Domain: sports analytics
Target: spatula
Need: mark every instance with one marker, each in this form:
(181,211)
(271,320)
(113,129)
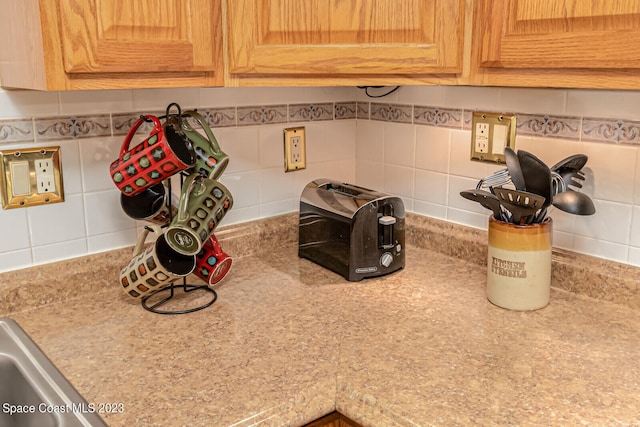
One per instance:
(515,171)
(486,199)
(521,204)
(537,176)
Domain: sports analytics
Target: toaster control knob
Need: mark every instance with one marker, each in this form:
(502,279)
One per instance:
(386,259)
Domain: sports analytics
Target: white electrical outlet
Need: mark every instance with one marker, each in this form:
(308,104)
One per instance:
(482,138)
(296,149)
(295,157)
(45,180)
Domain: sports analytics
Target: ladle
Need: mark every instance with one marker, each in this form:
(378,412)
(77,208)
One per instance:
(574,202)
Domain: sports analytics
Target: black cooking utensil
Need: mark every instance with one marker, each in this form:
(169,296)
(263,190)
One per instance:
(574,162)
(521,204)
(537,176)
(486,199)
(574,202)
(515,171)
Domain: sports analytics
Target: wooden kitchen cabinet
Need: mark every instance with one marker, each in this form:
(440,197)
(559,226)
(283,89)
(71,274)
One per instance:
(563,43)
(345,41)
(334,419)
(101,44)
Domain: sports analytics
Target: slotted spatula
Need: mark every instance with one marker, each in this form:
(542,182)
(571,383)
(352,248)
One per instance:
(521,204)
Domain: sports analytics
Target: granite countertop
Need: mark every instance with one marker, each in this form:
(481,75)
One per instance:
(288,341)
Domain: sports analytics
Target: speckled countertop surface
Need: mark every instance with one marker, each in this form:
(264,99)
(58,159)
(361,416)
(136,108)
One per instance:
(288,341)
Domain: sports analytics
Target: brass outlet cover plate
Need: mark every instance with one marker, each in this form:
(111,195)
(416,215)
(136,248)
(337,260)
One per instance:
(496,131)
(28,157)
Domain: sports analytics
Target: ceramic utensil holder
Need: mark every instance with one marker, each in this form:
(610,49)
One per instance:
(519,264)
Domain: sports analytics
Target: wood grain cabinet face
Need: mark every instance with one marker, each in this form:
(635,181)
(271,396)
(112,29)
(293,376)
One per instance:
(350,37)
(561,34)
(593,43)
(101,44)
(105,36)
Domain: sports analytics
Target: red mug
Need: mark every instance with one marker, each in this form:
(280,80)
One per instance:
(212,263)
(164,153)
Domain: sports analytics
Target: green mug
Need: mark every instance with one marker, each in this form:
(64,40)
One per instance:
(211,161)
(203,203)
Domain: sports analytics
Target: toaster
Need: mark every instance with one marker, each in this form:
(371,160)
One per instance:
(353,231)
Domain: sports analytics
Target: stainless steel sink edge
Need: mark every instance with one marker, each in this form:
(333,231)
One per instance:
(47,381)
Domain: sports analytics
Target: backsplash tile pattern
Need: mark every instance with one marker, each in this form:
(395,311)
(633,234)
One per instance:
(261,115)
(54,128)
(362,110)
(430,181)
(122,122)
(345,110)
(416,145)
(311,112)
(549,126)
(435,116)
(391,112)
(219,117)
(16,130)
(91,220)
(607,130)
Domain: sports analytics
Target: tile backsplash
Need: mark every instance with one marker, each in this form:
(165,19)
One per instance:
(413,143)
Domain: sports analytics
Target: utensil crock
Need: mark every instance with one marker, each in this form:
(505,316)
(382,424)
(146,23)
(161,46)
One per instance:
(519,264)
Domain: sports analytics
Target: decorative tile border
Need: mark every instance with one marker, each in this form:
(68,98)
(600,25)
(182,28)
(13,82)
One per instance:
(219,117)
(608,130)
(72,127)
(121,123)
(311,112)
(261,115)
(20,130)
(549,126)
(605,130)
(396,113)
(345,110)
(435,116)
(362,110)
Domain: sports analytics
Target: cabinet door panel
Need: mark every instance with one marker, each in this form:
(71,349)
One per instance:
(345,36)
(105,36)
(560,34)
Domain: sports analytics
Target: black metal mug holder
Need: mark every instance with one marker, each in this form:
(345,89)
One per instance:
(186,287)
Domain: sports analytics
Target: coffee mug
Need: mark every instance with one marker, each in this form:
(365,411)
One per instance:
(211,161)
(154,268)
(164,153)
(203,203)
(151,205)
(212,262)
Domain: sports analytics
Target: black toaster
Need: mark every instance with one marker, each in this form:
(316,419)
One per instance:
(351,230)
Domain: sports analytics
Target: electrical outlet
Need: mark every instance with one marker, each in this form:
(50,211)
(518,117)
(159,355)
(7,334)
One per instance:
(30,176)
(490,134)
(45,181)
(482,138)
(295,156)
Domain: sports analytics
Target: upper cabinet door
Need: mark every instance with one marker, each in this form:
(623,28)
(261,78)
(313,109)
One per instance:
(105,36)
(569,34)
(352,37)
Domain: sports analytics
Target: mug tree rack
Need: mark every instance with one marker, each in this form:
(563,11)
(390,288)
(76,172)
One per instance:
(170,292)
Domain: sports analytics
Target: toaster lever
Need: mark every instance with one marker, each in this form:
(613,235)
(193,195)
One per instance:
(387,220)
(385,234)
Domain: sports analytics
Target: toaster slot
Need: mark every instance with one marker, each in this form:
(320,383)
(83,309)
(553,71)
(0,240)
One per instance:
(386,225)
